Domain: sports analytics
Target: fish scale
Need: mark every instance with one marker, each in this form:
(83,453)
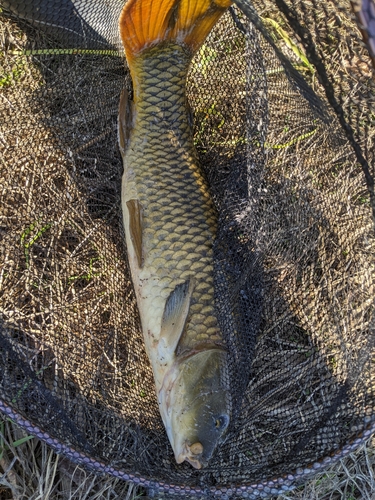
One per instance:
(178,217)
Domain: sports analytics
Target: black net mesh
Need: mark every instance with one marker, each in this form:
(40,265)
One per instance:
(283,106)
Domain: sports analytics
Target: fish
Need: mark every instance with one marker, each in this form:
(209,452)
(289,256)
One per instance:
(170,224)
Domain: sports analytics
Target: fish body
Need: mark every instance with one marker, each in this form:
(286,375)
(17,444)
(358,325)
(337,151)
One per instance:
(170,226)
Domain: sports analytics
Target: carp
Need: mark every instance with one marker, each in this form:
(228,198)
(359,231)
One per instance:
(170,223)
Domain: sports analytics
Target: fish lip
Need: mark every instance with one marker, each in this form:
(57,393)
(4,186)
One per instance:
(195,460)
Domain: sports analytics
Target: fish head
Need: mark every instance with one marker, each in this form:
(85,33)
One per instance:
(198,407)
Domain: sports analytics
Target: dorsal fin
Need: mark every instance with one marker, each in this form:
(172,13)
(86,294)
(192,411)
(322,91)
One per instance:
(145,23)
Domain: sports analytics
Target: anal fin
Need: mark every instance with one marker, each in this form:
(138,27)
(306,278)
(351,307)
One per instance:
(135,227)
(174,317)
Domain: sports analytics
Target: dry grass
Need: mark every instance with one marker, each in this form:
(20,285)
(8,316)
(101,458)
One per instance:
(32,471)
(352,478)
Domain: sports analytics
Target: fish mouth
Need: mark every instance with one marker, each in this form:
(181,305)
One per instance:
(192,454)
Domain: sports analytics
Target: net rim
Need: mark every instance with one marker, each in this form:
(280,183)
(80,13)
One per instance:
(262,489)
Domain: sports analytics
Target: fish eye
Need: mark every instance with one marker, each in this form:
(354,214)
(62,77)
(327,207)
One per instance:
(221,422)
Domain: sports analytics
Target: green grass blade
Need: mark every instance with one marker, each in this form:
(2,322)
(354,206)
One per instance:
(30,243)
(21,441)
(289,42)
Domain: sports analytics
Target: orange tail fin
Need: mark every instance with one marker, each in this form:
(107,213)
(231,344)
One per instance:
(145,23)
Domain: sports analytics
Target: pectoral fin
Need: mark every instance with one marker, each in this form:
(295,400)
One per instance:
(125,120)
(174,317)
(135,228)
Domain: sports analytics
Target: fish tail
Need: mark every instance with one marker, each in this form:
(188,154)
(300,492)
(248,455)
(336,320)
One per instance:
(146,23)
